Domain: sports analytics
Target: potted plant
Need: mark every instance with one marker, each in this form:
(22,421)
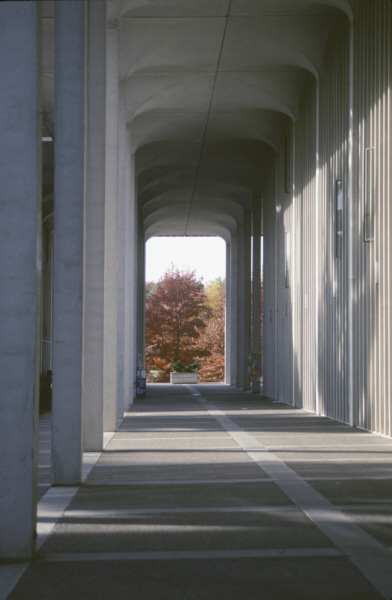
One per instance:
(184,374)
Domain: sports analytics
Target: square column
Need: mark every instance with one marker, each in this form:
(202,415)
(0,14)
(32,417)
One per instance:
(247,298)
(240,306)
(141,297)
(20,251)
(233,309)
(123,166)
(130,317)
(228,316)
(111,229)
(68,243)
(94,246)
(256,285)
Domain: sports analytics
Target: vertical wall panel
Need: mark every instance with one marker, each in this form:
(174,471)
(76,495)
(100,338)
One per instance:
(306,197)
(320,286)
(333,314)
(270,371)
(373,125)
(284,270)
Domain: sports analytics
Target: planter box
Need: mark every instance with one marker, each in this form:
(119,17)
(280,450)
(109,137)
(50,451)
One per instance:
(184,378)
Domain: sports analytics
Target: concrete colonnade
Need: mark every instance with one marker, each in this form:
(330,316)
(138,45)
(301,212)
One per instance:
(120,122)
(99,250)
(97,245)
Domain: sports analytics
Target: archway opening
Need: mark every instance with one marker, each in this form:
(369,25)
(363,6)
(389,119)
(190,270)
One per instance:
(185,308)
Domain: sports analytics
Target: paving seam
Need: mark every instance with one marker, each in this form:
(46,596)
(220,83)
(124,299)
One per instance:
(371,558)
(174,482)
(75,514)
(119,438)
(261,479)
(337,460)
(347,478)
(193,554)
(369,506)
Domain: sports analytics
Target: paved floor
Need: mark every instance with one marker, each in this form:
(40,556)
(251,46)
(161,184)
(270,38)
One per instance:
(206,492)
(45,434)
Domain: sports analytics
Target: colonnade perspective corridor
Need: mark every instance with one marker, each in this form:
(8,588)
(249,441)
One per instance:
(126,119)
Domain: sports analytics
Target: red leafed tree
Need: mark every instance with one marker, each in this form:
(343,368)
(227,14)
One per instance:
(213,337)
(176,314)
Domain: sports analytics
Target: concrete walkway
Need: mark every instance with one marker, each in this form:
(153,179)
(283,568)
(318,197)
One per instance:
(207,492)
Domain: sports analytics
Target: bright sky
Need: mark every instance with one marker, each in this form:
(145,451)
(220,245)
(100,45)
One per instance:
(205,255)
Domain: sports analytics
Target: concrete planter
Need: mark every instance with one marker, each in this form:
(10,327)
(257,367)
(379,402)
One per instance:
(184,378)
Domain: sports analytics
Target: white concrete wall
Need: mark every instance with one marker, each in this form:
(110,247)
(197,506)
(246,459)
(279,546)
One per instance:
(372,360)
(334,279)
(338,305)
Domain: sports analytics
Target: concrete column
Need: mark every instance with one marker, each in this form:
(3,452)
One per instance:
(228,317)
(256,282)
(269,289)
(233,311)
(243,301)
(130,318)
(111,229)
(68,243)
(246,316)
(240,306)
(94,250)
(141,292)
(122,200)
(20,226)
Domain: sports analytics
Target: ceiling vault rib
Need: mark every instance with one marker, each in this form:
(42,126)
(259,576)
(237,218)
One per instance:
(202,145)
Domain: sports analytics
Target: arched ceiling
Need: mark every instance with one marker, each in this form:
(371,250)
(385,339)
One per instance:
(210,86)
